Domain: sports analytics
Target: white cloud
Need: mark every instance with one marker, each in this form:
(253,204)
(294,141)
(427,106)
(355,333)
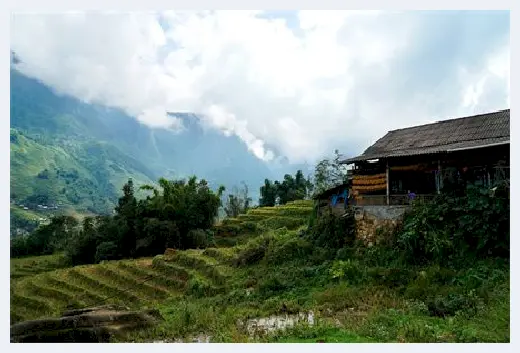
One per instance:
(340,80)
(492,80)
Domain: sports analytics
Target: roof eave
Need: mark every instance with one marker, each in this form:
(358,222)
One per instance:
(479,146)
(359,159)
(367,158)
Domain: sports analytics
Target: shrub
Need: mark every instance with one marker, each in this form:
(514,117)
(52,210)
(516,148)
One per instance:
(345,253)
(272,286)
(46,239)
(348,270)
(276,222)
(455,228)
(227,230)
(286,249)
(83,245)
(253,252)
(200,289)
(321,256)
(200,238)
(19,246)
(333,232)
(249,227)
(392,277)
(379,255)
(106,251)
(453,303)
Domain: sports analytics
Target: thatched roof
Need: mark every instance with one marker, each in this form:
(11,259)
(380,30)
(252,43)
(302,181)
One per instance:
(444,136)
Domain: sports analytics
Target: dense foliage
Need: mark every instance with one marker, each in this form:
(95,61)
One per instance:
(457,227)
(178,215)
(372,293)
(289,189)
(21,221)
(329,173)
(46,239)
(330,231)
(76,155)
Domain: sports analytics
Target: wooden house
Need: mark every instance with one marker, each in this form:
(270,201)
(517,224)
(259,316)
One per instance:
(416,163)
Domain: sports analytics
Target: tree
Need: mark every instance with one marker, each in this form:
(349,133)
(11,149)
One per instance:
(126,211)
(188,204)
(329,173)
(268,194)
(290,189)
(82,248)
(178,214)
(46,239)
(237,202)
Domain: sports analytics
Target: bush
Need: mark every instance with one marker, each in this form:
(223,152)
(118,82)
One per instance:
(200,289)
(82,248)
(379,255)
(227,230)
(333,232)
(392,277)
(348,270)
(253,252)
(106,251)
(249,227)
(345,253)
(201,239)
(321,256)
(457,228)
(19,247)
(453,303)
(288,222)
(46,239)
(285,249)
(272,286)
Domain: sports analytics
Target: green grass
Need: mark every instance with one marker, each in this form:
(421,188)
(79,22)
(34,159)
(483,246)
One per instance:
(204,291)
(282,211)
(29,266)
(134,283)
(316,334)
(367,311)
(19,212)
(85,176)
(237,231)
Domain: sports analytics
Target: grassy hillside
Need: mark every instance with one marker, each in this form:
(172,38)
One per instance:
(191,271)
(233,231)
(270,278)
(95,149)
(30,266)
(85,177)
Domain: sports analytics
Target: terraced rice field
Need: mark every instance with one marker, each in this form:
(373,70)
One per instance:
(133,283)
(235,231)
(30,266)
(42,287)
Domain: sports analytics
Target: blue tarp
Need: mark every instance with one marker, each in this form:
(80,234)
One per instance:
(336,197)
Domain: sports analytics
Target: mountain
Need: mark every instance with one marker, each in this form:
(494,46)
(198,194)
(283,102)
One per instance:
(77,156)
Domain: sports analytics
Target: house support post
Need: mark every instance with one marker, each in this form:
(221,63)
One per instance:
(439,176)
(387,184)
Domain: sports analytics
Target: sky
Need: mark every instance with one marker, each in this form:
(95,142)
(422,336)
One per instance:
(290,84)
